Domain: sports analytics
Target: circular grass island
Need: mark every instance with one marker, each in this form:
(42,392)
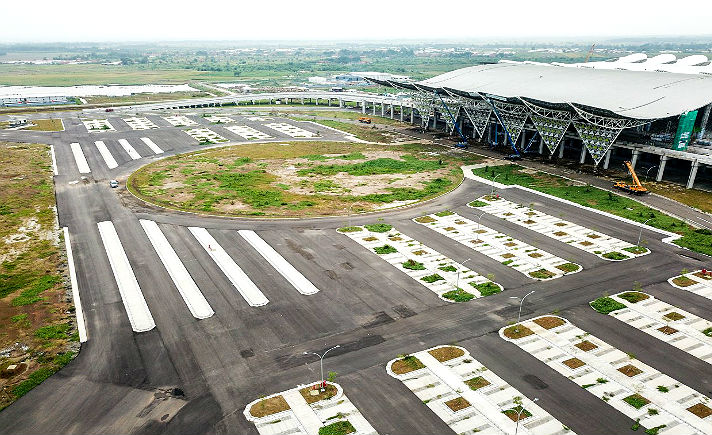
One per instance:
(299,179)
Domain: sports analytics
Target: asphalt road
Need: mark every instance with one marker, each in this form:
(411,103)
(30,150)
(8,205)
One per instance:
(124,382)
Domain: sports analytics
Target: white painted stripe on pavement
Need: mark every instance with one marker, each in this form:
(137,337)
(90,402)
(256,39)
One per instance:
(303,285)
(54,160)
(237,277)
(134,302)
(129,149)
(194,299)
(81,324)
(155,148)
(104,151)
(80,159)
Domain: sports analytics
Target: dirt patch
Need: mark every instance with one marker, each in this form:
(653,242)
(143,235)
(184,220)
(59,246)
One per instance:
(508,255)
(674,316)
(517,331)
(586,346)
(477,382)
(593,236)
(574,363)
(706,276)
(457,404)
(560,233)
(549,322)
(701,410)
(510,244)
(406,365)
(684,281)
(447,353)
(269,406)
(535,255)
(329,392)
(630,370)
(585,243)
(667,330)
(529,222)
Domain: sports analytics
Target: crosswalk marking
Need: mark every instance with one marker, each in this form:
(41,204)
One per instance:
(80,158)
(104,151)
(303,285)
(155,148)
(190,292)
(131,295)
(237,277)
(129,149)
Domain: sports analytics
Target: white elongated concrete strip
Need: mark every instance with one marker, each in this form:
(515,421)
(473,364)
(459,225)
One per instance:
(615,377)
(193,297)
(106,155)
(303,285)
(79,157)
(129,149)
(81,324)
(307,417)
(54,160)
(134,302)
(695,282)
(155,148)
(290,130)
(237,277)
(247,132)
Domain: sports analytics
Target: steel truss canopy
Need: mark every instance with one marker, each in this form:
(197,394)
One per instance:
(636,95)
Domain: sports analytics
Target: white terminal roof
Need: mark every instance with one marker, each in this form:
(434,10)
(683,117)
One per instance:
(633,94)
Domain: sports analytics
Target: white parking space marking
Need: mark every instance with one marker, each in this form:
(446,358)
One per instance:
(575,235)
(104,151)
(303,285)
(140,123)
(430,268)
(248,133)
(290,130)
(155,148)
(219,119)
(180,121)
(97,125)
(81,324)
(488,396)
(532,262)
(194,299)
(625,383)
(80,158)
(131,294)
(54,160)
(205,136)
(303,418)
(131,151)
(234,273)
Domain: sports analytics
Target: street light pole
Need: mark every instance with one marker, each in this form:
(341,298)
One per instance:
(457,283)
(648,171)
(640,234)
(495,177)
(521,302)
(479,220)
(519,415)
(321,364)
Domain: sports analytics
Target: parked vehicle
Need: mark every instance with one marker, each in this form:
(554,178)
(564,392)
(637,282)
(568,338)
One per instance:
(114,184)
(364,120)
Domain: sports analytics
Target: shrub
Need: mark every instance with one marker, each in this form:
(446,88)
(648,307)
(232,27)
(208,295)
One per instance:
(458,295)
(339,428)
(606,305)
(444,213)
(633,297)
(379,228)
(568,267)
(486,288)
(385,249)
(349,229)
(432,278)
(477,203)
(614,255)
(413,265)
(448,268)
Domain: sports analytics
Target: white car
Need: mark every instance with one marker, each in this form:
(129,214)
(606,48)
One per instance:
(113,183)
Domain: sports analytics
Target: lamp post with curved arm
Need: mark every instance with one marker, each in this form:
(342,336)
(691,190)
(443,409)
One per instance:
(640,234)
(457,282)
(521,302)
(495,177)
(321,363)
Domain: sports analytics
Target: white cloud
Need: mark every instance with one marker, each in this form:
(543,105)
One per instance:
(132,20)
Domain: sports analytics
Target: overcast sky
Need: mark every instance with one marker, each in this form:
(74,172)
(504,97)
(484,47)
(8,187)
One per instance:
(148,20)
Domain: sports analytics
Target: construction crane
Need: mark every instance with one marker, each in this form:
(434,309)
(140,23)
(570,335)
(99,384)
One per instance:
(636,188)
(590,52)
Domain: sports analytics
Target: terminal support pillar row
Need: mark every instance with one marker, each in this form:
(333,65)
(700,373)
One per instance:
(341,102)
(412,115)
(392,109)
(634,159)
(383,109)
(374,107)
(607,158)
(582,158)
(541,145)
(561,149)
(661,167)
(363,107)
(693,174)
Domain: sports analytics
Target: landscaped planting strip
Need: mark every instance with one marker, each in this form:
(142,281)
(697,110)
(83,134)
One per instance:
(301,417)
(205,135)
(439,383)
(95,125)
(613,376)
(180,121)
(290,130)
(510,252)
(219,119)
(694,282)
(564,231)
(434,264)
(140,123)
(654,317)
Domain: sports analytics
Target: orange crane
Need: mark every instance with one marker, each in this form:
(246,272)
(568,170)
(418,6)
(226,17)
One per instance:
(636,188)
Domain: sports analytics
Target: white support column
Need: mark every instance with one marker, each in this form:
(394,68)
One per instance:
(392,109)
(412,115)
(634,158)
(401,113)
(661,167)
(607,159)
(341,102)
(582,158)
(561,149)
(302,101)
(374,108)
(541,145)
(383,109)
(693,174)
(363,107)
(328,101)
(316,101)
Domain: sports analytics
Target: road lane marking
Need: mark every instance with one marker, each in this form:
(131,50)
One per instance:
(303,285)
(129,149)
(194,299)
(131,295)
(155,148)
(80,159)
(237,277)
(104,151)
(81,323)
